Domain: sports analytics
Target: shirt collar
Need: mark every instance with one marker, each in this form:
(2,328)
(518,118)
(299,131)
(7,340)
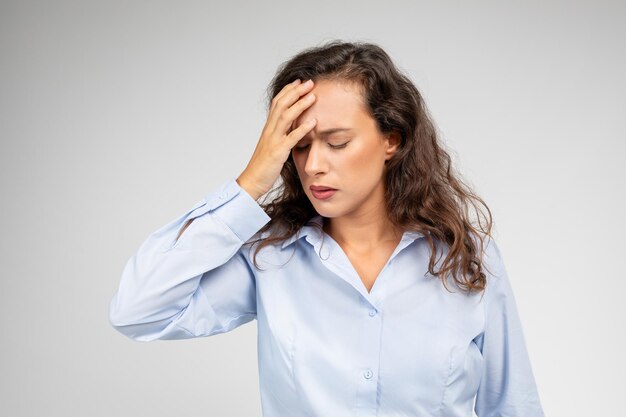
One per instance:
(309,228)
(313,234)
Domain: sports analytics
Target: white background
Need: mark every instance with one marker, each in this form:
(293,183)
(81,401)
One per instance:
(117,116)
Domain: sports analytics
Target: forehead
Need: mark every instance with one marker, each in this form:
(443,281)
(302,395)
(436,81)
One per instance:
(336,104)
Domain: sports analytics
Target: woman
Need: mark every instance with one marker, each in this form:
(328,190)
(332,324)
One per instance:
(354,319)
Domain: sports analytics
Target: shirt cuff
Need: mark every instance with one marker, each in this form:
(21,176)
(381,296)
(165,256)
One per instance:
(232,205)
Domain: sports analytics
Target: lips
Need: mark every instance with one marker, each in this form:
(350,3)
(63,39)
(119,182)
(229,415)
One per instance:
(320,188)
(323,195)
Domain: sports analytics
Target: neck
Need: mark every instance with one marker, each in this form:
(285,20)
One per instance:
(365,230)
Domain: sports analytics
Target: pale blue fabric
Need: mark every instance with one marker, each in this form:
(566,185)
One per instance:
(326,346)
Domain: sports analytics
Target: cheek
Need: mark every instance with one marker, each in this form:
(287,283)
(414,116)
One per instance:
(359,163)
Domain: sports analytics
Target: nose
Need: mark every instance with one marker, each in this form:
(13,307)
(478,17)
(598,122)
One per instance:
(316,161)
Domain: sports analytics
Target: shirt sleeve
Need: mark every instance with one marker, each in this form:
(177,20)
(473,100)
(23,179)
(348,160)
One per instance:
(198,285)
(507,387)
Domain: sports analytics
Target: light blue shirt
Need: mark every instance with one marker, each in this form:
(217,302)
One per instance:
(326,346)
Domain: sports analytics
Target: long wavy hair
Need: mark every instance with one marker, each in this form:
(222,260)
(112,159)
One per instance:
(423,193)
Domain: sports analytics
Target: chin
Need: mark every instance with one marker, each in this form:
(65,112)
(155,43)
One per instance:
(328,208)
(323,211)
(328,212)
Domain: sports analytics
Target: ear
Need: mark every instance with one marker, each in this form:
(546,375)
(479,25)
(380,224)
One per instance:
(393,142)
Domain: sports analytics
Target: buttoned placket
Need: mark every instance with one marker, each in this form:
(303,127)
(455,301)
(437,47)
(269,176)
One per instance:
(334,258)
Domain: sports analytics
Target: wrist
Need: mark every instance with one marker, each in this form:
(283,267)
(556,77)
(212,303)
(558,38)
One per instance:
(243,183)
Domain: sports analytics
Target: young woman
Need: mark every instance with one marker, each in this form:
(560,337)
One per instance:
(393,304)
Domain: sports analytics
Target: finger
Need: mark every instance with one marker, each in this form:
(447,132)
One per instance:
(271,119)
(290,127)
(282,92)
(286,100)
(300,131)
(288,117)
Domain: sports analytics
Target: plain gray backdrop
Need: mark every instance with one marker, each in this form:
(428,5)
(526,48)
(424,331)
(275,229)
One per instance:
(117,116)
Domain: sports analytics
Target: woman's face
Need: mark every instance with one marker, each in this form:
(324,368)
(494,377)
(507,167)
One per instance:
(351,160)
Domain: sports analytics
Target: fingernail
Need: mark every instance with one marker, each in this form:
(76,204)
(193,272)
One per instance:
(296,81)
(308,83)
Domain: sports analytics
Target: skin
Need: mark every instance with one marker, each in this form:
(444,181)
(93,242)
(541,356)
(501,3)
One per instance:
(356,213)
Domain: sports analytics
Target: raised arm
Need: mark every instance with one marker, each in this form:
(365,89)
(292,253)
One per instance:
(190,278)
(199,284)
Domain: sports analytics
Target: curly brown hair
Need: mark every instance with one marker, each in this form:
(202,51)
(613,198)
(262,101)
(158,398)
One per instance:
(423,193)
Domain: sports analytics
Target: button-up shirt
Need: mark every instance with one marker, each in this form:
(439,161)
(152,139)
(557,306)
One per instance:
(328,347)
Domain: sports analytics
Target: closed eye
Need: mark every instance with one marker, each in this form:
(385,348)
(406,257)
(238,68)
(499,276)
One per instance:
(343,145)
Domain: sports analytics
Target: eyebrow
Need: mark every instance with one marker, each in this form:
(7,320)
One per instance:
(328,132)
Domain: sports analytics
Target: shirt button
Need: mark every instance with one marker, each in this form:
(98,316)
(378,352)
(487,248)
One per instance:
(372,312)
(367,374)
